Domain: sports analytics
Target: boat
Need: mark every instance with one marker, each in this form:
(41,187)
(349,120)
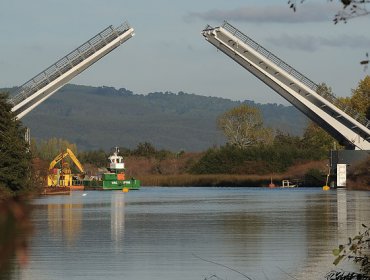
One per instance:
(114,179)
(63,181)
(56,191)
(288,184)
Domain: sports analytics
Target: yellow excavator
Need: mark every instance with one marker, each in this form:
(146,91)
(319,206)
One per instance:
(63,177)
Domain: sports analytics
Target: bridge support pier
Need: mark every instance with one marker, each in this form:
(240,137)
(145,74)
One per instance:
(349,158)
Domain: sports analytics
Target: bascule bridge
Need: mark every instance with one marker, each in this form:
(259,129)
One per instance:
(43,85)
(351,129)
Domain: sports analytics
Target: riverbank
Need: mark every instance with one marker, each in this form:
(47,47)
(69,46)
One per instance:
(296,173)
(219,180)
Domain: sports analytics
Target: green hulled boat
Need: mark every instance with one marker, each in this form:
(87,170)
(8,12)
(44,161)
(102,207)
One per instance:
(115,179)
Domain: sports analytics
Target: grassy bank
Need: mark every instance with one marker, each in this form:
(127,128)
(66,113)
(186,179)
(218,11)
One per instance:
(209,180)
(247,180)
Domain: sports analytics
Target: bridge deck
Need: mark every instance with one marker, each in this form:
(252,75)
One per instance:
(40,87)
(341,121)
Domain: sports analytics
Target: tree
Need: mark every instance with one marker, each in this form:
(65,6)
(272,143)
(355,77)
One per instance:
(49,149)
(318,139)
(360,99)
(243,126)
(97,158)
(15,158)
(145,149)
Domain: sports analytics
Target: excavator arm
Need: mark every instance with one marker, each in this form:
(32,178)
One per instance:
(75,160)
(62,155)
(57,159)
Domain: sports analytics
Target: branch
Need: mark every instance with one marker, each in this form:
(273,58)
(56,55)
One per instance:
(219,264)
(351,9)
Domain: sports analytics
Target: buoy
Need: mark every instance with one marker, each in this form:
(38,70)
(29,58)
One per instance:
(271,185)
(325,188)
(125,189)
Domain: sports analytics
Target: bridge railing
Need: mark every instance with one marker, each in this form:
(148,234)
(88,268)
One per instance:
(68,62)
(289,69)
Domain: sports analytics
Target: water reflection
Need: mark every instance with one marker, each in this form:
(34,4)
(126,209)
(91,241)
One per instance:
(15,231)
(342,215)
(117,221)
(154,233)
(64,219)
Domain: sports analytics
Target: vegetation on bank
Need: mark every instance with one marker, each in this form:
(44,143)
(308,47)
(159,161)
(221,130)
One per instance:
(219,166)
(15,163)
(252,155)
(359,176)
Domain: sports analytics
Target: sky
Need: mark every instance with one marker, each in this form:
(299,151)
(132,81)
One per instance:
(168,52)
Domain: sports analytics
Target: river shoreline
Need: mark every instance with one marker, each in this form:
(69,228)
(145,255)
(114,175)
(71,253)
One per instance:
(209,180)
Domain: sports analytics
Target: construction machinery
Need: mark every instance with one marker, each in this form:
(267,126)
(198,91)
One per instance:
(63,177)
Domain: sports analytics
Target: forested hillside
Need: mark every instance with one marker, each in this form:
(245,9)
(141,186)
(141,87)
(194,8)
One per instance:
(103,117)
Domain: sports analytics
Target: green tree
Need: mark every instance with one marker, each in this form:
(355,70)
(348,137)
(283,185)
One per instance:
(243,126)
(360,99)
(49,149)
(15,157)
(316,138)
(145,149)
(97,158)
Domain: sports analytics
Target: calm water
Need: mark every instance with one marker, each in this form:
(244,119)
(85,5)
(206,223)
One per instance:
(192,233)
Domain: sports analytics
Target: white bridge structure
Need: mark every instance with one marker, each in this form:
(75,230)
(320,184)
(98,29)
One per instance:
(345,124)
(43,85)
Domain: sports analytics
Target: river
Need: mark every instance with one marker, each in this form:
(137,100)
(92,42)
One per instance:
(191,233)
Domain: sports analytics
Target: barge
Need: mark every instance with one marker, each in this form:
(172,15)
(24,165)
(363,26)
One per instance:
(115,179)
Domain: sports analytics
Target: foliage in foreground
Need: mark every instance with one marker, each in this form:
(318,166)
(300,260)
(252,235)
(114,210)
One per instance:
(356,250)
(350,9)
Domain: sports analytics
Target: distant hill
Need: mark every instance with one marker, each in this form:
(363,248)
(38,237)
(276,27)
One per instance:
(103,117)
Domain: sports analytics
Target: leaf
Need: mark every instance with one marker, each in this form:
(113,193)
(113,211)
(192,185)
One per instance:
(336,252)
(338,259)
(357,237)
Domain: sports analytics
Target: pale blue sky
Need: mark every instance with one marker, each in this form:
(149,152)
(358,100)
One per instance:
(168,52)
